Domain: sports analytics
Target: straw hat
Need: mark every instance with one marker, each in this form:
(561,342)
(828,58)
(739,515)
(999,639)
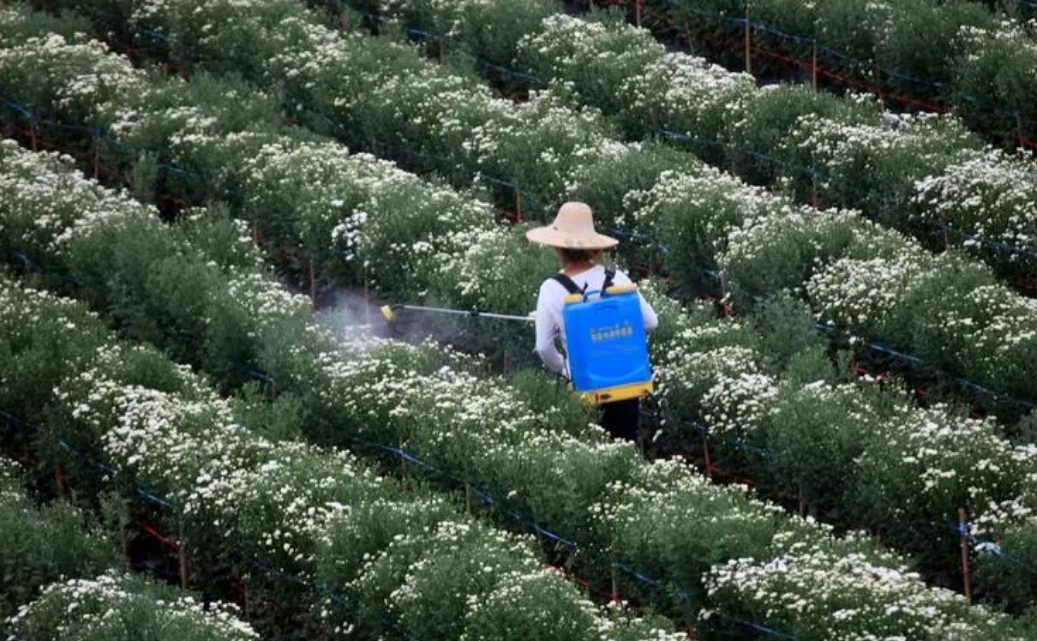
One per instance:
(573,228)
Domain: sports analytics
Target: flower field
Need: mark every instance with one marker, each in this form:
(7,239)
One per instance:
(420,532)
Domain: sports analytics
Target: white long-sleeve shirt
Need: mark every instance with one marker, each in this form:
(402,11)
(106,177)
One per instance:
(550,302)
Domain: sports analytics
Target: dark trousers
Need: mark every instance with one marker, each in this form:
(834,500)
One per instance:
(620,418)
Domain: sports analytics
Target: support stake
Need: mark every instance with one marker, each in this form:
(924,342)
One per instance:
(748,41)
(615,575)
(518,204)
(813,189)
(965,572)
(124,521)
(813,67)
(313,284)
(705,450)
(181,545)
(637,13)
(59,480)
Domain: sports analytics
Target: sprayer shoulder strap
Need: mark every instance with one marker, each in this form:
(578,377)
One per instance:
(572,288)
(567,283)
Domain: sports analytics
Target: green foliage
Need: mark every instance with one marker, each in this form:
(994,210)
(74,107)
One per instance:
(1004,565)
(789,341)
(766,116)
(278,420)
(19,26)
(429,579)
(39,350)
(548,396)
(43,544)
(218,236)
(922,41)
(491,30)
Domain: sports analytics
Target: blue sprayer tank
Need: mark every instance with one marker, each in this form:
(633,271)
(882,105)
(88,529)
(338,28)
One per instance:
(605,339)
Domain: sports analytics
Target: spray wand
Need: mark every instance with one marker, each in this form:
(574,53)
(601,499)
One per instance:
(388,311)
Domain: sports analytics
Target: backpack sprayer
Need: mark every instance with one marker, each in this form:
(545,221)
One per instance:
(608,350)
(604,338)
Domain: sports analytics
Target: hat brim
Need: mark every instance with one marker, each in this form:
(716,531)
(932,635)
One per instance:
(555,238)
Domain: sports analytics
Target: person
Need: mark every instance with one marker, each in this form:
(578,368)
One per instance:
(579,246)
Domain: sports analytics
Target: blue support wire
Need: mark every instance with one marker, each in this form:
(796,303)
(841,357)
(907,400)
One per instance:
(922,363)
(1000,246)
(811,172)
